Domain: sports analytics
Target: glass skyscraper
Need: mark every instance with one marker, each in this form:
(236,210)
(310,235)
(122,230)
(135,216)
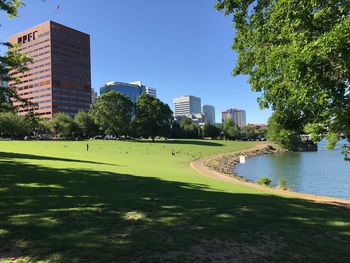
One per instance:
(132,90)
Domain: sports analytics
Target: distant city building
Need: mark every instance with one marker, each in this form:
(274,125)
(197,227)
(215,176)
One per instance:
(187,105)
(198,118)
(132,90)
(209,112)
(93,96)
(145,89)
(238,116)
(59,77)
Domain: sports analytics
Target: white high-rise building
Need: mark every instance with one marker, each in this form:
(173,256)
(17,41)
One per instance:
(238,116)
(209,112)
(186,105)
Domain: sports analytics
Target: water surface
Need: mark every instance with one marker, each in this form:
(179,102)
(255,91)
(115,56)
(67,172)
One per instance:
(322,173)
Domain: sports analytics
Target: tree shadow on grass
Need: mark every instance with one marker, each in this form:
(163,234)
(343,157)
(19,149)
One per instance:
(177,141)
(10,155)
(81,215)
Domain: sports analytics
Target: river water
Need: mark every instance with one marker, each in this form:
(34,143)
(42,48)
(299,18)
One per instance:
(322,173)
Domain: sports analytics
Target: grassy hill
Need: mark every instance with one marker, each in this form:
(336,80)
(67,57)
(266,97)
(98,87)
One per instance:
(135,202)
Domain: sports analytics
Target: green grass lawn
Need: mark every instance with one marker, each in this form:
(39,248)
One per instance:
(135,202)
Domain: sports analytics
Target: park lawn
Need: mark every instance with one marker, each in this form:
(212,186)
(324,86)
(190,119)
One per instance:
(135,202)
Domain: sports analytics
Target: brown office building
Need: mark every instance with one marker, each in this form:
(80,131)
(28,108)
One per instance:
(59,78)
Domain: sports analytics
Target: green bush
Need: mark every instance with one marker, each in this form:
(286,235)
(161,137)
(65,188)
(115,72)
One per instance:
(282,184)
(264,181)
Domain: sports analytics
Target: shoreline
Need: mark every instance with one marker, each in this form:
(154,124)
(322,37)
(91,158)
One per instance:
(213,167)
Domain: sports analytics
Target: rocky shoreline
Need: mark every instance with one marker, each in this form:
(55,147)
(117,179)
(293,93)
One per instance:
(226,163)
(220,167)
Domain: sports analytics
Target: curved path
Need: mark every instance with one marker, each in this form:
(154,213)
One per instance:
(199,166)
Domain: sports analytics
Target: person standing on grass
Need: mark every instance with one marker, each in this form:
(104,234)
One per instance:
(87,147)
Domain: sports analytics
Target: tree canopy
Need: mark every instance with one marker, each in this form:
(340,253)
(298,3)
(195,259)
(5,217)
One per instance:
(297,53)
(85,123)
(112,112)
(230,129)
(12,60)
(153,117)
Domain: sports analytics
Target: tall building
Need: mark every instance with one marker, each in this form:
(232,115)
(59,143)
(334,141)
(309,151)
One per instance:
(209,112)
(93,96)
(187,105)
(145,89)
(132,90)
(59,78)
(238,116)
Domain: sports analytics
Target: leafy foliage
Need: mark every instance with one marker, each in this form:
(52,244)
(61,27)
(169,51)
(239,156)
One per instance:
(264,181)
(63,126)
(85,123)
(298,54)
(12,61)
(153,117)
(10,7)
(282,133)
(230,129)
(11,124)
(112,112)
(189,128)
(210,130)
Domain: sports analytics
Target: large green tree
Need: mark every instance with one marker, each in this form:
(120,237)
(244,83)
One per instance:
(112,112)
(12,60)
(153,117)
(297,53)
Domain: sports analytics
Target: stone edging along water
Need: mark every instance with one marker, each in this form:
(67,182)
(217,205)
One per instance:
(226,163)
(221,167)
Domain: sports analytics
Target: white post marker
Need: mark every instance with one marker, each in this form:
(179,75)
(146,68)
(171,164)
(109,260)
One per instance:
(242,159)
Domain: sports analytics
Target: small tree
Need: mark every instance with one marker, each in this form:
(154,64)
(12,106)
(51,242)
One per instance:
(85,123)
(31,123)
(189,128)
(63,126)
(153,117)
(210,130)
(112,112)
(230,128)
(11,125)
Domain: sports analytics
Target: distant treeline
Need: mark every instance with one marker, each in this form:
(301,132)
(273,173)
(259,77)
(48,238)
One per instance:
(114,115)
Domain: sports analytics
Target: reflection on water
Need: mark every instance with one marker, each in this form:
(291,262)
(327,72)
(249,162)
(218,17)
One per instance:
(323,172)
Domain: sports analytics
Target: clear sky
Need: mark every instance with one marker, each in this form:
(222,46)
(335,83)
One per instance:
(180,47)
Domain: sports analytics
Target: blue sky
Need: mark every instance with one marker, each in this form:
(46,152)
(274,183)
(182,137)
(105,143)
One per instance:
(179,47)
